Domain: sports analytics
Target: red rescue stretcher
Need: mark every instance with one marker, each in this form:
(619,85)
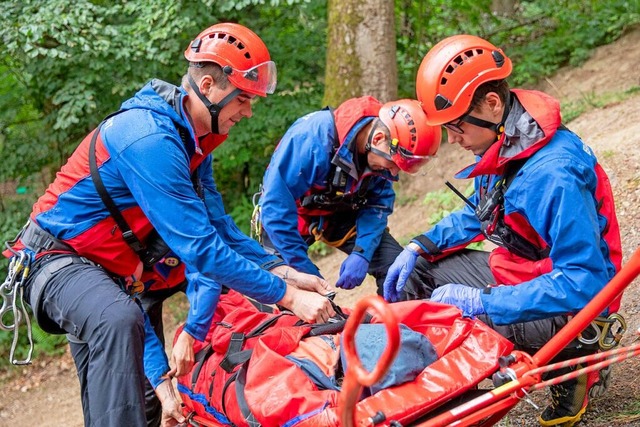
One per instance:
(445,393)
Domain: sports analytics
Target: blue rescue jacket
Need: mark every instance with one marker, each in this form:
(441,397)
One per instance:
(146,169)
(302,164)
(560,200)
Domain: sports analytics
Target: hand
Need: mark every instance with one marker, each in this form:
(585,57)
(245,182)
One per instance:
(171,407)
(182,357)
(352,271)
(399,273)
(464,297)
(303,281)
(308,306)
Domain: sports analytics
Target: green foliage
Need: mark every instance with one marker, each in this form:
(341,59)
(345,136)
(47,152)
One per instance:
(319,249)
(296,44)
(442,202)
(420,24)
(547,34)
(65,65)
(44,344)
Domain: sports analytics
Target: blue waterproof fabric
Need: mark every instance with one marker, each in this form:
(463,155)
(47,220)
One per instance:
(416,353)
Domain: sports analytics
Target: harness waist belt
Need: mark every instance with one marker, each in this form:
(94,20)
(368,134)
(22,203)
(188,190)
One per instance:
(38,240)
(38,282)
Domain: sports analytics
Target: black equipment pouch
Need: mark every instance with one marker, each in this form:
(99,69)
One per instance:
(155,249)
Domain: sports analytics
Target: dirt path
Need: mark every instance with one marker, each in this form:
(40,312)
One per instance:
(46,394)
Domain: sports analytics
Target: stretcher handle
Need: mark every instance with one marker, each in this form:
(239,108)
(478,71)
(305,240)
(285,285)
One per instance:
(354,364)
(356,375)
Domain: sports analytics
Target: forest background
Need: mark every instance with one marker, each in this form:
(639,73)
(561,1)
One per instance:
(66,65)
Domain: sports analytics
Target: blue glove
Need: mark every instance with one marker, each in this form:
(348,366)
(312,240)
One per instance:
(464,297)
(398,274)
(352,271)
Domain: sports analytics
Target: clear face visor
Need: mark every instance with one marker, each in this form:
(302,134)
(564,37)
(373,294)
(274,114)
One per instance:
(406,160)
(260,79)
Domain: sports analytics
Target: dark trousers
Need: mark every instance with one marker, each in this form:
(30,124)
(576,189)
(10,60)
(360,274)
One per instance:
(106,331)
(471,268)
(152,302)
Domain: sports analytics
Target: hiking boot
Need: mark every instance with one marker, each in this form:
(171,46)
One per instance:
(601,383)
(569,401)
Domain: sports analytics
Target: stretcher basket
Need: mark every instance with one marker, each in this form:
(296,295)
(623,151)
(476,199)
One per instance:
(446,392)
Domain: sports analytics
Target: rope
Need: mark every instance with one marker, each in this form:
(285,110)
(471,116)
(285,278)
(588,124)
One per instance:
(318,235)
(606,358)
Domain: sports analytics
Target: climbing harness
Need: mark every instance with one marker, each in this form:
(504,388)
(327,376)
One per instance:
(318,234)
(13,310)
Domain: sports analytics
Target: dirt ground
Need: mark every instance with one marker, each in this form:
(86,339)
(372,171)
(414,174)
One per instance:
(47,393)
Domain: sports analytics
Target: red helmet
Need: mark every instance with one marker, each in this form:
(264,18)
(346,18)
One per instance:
(243,56)
(451,72)
(413,142)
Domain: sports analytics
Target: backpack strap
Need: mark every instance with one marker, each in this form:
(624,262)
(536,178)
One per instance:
(241,381)
(127,234)
(200,358)
(148,257)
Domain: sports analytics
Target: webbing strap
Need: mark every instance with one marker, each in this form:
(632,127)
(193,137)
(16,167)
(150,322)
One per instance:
(228,363)
(241,381)
(128,235)
(200,358)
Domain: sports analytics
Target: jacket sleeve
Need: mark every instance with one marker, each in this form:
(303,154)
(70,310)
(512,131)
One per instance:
(297,164)
(156,170)
(155,359)
(225,225)
(565,216)
(372,218)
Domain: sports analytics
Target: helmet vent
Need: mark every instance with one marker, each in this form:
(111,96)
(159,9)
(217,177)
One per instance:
(498,57)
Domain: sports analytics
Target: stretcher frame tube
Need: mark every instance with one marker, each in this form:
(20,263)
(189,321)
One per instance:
(356,375)
(597,305)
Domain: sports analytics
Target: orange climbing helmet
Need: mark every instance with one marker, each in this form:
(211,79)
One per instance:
(413,142)
(243,56)
(451,72)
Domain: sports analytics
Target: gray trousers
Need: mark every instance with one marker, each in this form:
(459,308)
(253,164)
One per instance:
(107,342)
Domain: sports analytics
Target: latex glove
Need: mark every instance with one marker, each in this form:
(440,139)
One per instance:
(464,297)
(398,274)
(352,271)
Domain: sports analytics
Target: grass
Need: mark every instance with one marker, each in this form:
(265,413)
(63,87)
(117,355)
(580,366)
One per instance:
(590,101)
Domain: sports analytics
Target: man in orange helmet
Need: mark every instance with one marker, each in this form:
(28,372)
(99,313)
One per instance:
(137,187)
(540,196)
(330,179)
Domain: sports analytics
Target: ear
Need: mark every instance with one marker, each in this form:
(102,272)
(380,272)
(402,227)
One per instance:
(378,137)
(494,104)
(206,84)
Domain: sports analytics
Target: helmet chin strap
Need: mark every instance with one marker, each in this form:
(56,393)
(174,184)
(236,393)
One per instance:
(214,109)
(498,128)
(368,147)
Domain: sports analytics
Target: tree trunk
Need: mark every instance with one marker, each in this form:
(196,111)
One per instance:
(361,51)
